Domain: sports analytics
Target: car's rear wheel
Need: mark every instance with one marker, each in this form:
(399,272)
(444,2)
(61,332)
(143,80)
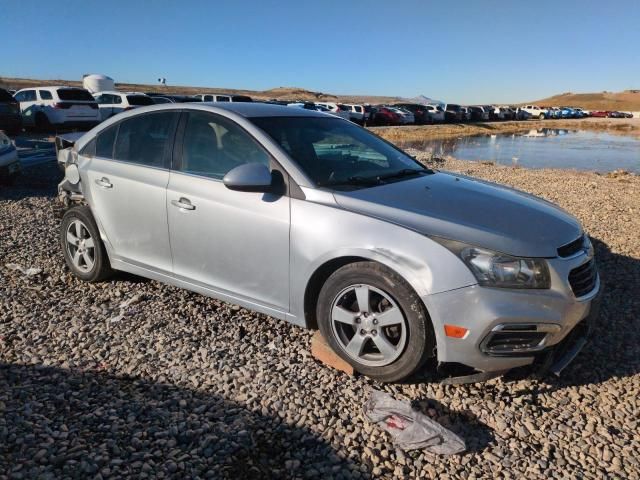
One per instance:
(83,250)
(372,318)
(541,116)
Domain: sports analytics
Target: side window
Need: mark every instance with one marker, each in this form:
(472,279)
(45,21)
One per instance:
(45,95)
(29,96)
(89,150)
(145,139)
(222,98)
(104,142)
(208,98)
(19,96)
(213,146)
(103,99)
(117,99)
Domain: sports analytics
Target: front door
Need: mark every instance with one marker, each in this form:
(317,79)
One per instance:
(234,242)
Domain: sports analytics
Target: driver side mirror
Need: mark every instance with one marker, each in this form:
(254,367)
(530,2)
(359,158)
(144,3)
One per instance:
(250,177)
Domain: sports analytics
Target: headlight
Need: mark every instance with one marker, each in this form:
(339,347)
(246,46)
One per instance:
(493,269)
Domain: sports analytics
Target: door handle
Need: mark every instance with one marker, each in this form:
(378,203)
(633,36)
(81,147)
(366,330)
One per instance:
(104,183)
(183,203)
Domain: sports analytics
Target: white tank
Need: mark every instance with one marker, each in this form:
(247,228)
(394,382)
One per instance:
(97,83)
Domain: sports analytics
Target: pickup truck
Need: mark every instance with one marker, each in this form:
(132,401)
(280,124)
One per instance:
(536,111)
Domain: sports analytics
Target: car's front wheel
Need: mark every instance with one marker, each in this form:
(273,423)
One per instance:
(83,249)
(372,318)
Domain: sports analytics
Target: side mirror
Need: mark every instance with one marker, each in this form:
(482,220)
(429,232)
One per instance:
(250,177)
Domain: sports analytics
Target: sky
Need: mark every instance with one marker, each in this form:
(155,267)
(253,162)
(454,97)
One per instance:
(456,51)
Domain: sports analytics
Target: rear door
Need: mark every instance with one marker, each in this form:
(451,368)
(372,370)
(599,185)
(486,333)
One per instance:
(234,242)
(127,178)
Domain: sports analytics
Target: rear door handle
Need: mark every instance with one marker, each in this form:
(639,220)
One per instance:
(104,183)
(183,203)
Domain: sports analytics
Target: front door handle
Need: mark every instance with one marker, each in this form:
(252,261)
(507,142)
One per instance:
(104,183)
(183,203)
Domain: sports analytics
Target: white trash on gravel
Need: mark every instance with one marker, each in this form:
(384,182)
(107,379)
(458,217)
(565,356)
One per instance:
(409,428)
(124,307)
(29,272)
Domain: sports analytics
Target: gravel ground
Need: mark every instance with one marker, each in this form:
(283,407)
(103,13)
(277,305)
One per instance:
(186,386)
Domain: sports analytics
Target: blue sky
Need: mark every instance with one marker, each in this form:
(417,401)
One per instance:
(457,51)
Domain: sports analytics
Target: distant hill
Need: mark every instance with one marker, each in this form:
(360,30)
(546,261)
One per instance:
(279,93)
(628,100)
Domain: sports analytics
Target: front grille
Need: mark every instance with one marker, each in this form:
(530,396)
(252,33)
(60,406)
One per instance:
(571,248)
(509,342)
(583,278)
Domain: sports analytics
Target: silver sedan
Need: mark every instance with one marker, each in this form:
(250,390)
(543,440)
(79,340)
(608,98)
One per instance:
(314,220)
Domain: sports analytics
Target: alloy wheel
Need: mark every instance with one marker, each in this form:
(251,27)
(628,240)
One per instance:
(369,325)
(80,246)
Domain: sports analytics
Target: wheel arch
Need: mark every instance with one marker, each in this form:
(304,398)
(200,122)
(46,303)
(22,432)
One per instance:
(327,268)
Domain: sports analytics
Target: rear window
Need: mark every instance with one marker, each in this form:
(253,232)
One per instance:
(453,107)
(139,100)
(76,94)
(359,109)
(6,96)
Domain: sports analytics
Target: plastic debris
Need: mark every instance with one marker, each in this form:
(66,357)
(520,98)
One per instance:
(29,272)
(124,306)
(409,428)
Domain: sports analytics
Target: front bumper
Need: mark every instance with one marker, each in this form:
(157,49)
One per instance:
(9,164)
(484,310)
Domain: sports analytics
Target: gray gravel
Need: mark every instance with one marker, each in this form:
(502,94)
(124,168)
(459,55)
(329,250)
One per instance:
(179,385)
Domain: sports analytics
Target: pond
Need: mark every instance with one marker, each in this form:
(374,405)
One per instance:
(543,148)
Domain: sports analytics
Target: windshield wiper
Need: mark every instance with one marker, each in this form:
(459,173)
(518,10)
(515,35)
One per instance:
(354,180)
(405,172)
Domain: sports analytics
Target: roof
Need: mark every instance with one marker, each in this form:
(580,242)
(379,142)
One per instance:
(118,92)
(256,109)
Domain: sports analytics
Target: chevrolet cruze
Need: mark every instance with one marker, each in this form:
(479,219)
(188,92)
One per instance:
(312,219)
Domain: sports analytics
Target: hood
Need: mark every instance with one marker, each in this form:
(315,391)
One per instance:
(473,211)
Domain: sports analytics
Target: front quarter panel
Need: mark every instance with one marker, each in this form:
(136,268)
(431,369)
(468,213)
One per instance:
(321,233)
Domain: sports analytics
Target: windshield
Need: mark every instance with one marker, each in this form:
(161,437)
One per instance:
(339,154)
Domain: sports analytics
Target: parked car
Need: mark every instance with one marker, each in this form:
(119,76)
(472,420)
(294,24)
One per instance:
(466,113)
(223,97)
(436,113)
(10,117)
(480,276)
(406,117)
(356,113)
(478,114)
(616,114)
(9,162)
(306,105)
(384,116)
(522,114)
(172,98)
(497,114)
(336,109)
(452,112)
(50,108)
(536,111)
(600,113)
(112,102)
(420,112)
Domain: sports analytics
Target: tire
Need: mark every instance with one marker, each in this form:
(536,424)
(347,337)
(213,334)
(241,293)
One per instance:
(42,123)
(407,338)
(541,116)
(92,263)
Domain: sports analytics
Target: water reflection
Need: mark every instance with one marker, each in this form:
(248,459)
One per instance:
(543,148)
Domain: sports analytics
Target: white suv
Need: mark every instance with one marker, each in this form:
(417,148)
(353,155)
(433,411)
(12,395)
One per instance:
(47,108)
(356,113)
(338,110)
(112,102)
(536,112)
